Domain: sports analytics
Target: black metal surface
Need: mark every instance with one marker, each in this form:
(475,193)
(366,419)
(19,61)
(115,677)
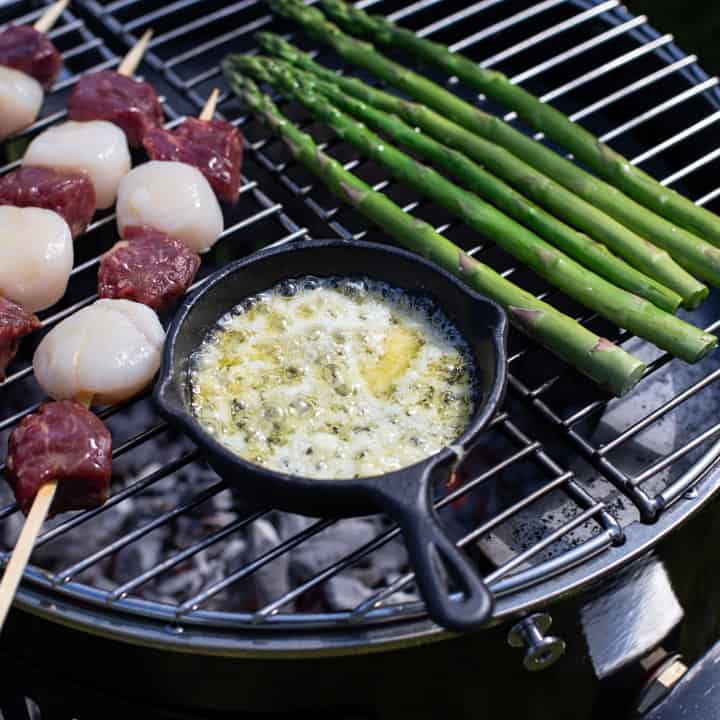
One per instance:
(464,677)
(572,485)
(406,494)
(696,695)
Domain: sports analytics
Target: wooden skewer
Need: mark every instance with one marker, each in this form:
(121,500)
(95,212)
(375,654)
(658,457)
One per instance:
(26,541)
(209,110)
(50,16)
(24,547)
(131,61)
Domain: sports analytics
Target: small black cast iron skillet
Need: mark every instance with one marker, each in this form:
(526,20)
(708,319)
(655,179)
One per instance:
(405,494)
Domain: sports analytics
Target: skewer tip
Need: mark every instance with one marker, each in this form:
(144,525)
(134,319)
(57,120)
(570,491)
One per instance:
(132,60)
(85,399)
(209,110)
(50,16)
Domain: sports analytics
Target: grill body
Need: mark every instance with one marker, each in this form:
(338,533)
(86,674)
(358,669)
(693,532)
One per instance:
(567,491)
(461,676)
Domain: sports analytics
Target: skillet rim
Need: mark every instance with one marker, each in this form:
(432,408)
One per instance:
(342,489)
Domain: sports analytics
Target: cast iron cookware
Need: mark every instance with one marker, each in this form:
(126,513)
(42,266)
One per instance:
(404,494)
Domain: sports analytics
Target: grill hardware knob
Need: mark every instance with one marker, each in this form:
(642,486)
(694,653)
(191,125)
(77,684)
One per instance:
(541,651)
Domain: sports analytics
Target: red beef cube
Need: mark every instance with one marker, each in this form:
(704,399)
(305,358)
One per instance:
(68,193)
(147,266)
(214,147)
(15,323)
(129,103)
(63,441)
(24,48)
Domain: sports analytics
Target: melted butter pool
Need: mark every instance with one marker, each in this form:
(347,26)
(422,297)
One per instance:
(333,378)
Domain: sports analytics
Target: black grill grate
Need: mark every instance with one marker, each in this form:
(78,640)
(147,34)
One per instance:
(540,480)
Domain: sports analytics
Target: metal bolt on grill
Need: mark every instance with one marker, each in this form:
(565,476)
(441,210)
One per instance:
(566,483)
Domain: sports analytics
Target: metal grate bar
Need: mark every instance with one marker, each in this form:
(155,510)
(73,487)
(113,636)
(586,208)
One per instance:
(194,602)
(633,87)
(673,457)
(210,44)
(606,68)
(138,486)
(186,554)
(545,543)
(684,172)
(684,486)
(402,582)
(67,574)
(675,139)
(162,12)
(550,32)
(205,20)
(657,414)
(657,110)
(453,18)
(498,27)
(410,9)
(709,197)
(593,42)
(120,5)
(27,18)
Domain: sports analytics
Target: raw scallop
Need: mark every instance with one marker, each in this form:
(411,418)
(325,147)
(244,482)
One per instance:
(99,148)
(36,256)
(20,99)
(109,351)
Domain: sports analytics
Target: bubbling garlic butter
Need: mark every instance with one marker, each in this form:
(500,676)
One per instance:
(333,378)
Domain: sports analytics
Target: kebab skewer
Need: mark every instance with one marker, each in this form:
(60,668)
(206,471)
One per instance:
(173,197)
(60,457)
(147,265)
(46,203)
(29,62)
(65,165)
(150,265)
(97,148)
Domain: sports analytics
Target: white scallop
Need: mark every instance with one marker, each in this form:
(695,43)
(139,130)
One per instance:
(36,256)
(109,351)
(172,197)
(97,147)
(21,97)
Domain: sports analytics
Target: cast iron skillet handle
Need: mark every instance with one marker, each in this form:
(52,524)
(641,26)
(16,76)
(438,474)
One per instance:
(409,503)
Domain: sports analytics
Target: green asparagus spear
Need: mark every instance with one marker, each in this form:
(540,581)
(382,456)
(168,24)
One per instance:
(557,126)
(584,249)
(625,309)
(644,256)
(603,361)
(580,213)
(696,255)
